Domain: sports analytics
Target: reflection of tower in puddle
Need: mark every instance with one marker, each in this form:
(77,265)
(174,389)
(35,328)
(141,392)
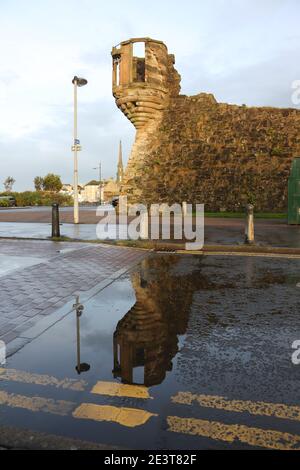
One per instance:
(147,336)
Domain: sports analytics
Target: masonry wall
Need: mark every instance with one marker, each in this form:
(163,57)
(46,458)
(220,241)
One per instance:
(201,151)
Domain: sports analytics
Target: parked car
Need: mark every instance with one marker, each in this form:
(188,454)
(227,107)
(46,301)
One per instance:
(10,199)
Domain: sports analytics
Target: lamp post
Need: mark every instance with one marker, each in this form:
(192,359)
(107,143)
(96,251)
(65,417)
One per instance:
(100,180)
(77,82)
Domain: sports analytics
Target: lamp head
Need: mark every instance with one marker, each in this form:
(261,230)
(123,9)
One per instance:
(79,80)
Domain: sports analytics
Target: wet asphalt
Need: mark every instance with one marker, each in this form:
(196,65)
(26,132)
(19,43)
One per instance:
(35,222)
(216,326)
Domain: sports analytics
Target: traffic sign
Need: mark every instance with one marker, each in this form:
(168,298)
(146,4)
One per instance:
(76,148)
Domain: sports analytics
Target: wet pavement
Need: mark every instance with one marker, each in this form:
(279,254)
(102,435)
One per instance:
(43,230)
(39,277)
(13,263)
(182,352)
(268,232)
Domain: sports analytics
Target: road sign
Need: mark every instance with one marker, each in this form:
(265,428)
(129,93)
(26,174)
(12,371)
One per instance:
(77,148)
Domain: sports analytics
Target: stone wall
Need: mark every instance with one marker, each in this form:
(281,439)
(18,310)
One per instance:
(194,149)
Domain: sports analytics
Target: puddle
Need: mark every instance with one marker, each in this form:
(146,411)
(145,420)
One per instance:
(202,325)
(42,230)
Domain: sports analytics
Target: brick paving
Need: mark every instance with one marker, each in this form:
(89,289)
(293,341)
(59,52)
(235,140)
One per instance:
(37,248)
(31,293)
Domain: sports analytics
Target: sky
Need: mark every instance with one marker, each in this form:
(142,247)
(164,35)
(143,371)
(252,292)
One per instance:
(242,51)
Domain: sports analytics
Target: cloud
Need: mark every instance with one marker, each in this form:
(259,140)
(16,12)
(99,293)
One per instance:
(243,51)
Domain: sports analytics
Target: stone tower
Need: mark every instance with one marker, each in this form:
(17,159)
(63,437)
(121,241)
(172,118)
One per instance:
(142,87)
(120,172)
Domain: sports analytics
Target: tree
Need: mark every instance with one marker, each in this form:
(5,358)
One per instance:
(8,183)
(52,183)
(38,183)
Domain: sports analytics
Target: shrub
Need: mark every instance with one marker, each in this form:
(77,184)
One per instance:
(40,198)
(4,203)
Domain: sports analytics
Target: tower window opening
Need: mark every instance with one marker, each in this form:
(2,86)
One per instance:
(117,61)
(139,49)
(118,354)
(118,72)
(140,70)
(138,375)
(139,52)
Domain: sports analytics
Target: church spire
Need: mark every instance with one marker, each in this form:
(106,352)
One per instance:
(120,171)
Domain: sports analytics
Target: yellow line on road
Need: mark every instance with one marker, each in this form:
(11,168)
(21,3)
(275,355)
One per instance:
(231,432)
(279,410)
(115,389)
(130,417)
(37,379)
(57,407)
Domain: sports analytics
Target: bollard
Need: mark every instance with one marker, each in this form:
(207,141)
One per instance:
(55,221)
(184,209)
(249,229)
(2,352)
(144,226)
(122,205)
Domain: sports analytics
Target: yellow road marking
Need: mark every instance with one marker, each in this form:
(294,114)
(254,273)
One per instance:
(130,417)
(279,410)
(230,432)
(115,389)
(37,379)
(58,407)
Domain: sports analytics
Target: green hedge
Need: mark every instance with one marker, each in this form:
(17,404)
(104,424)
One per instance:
(40,198)
(4,203)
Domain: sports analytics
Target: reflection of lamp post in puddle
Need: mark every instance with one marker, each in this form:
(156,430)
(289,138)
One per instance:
(80,367)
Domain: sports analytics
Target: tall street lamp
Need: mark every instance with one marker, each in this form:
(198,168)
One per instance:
(100,180)
(77,82)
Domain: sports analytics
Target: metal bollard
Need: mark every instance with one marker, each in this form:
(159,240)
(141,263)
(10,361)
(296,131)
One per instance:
(249,228)
(184,209)
(55,221)
(122,205)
